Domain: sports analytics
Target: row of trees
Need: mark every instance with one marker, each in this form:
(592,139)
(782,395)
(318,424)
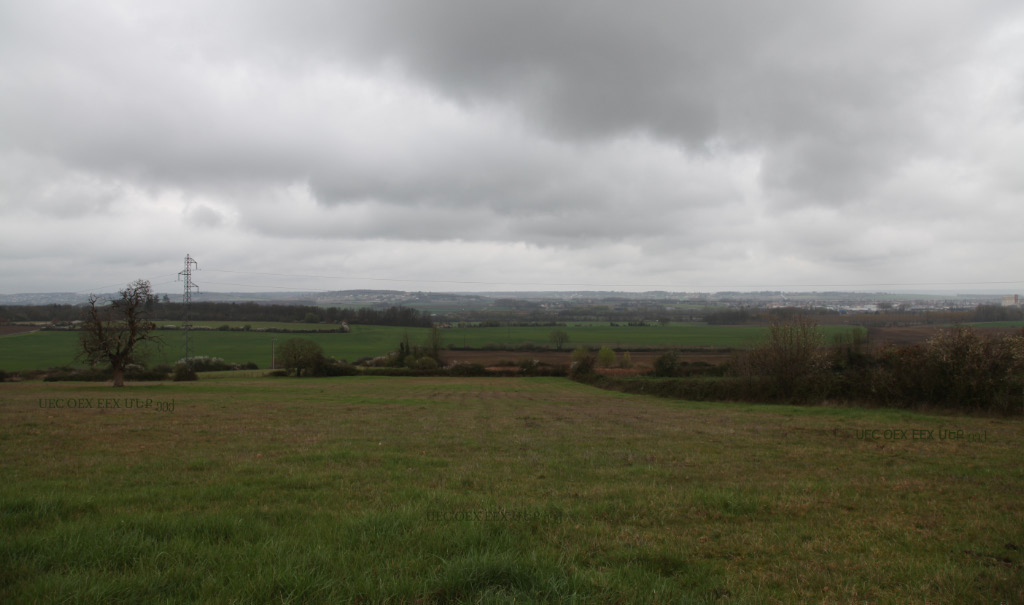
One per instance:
(958,368)
(229,311)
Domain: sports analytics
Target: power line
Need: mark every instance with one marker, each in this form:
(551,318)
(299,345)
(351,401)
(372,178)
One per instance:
(593,285)
(118,285)
(220,283)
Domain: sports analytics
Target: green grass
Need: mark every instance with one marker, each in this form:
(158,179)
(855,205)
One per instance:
(495,490)
(266,325)
(40,350)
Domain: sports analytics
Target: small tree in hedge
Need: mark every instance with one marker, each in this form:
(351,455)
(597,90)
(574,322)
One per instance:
(606,357)
(300,354)
(667,365)
(792,357)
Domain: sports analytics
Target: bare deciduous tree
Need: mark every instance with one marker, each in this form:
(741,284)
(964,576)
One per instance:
(792,355)
(559,337)
(300,354)
(113,332)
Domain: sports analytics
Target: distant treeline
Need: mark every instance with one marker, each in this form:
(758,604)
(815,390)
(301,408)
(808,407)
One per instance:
(531,316)
(233,311)
(884,317)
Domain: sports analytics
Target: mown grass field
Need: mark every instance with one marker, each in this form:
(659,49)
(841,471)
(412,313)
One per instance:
(41,350)
(496,490)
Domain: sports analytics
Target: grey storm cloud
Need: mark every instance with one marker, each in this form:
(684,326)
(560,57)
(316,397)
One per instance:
(829,89)
(789,140)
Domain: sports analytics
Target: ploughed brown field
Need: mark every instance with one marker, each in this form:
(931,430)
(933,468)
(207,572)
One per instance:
(881,337)
(7,330)
(643,361)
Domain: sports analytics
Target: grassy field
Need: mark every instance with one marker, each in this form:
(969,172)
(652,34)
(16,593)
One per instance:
(495,490)
(41,350)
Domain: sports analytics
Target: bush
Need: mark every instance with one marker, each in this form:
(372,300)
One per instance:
(65,373)
(134,373)
(333,367)
(528,366)
(468,369)
(580,353)
(183,373)
(792,360)
(666,365)
(955,369)
(583,367)
(141,374)
(606,357)
(207,364)
(424,363)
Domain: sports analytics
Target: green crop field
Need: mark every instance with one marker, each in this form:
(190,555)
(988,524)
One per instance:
(494,490)
(41,350)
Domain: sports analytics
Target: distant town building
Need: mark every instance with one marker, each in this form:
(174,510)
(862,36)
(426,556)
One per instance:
(1012,300)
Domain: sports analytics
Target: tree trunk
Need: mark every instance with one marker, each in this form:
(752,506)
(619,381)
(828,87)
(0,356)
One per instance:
(118,377)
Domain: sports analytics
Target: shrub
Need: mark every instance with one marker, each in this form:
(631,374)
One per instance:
(133,372)
(141,373)
(580,353)
(666,365)
(792,359)
(65,373)
(207,364)
(960,369)
(183,372)
(534,367)
(582,368)
(425,363)
(606,357)
(467,369)
(333,367)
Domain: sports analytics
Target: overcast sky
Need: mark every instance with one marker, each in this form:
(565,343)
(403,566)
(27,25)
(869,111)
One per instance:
(452,145)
